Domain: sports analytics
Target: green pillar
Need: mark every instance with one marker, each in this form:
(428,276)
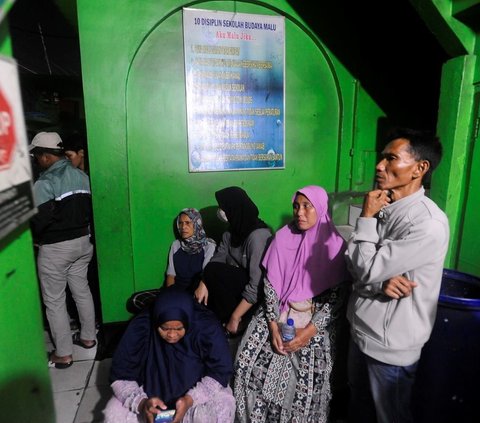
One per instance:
(454,128)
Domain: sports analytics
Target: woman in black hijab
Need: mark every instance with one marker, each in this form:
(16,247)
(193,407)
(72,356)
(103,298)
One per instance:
(232,279)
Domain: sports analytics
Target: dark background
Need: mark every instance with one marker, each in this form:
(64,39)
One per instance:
(384,44)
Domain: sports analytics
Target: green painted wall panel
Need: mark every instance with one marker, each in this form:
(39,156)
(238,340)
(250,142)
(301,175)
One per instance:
(454,129)
(160,184)
(24,377)
(25,388)
(367,123)
(469,247)
(455,184)
(5,41)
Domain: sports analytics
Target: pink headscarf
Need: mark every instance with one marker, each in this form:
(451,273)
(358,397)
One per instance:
(302,264)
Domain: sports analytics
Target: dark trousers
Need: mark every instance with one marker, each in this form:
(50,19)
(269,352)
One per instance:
(225,285)
(379,392)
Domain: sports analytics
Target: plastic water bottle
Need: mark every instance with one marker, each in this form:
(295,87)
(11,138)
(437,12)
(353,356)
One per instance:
(288,330)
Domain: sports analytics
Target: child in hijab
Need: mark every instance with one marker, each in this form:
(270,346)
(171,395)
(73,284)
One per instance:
(282,381)
(173,356)
(232,284)
(187,258)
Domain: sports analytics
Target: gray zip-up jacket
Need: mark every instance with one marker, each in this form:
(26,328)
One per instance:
(410,240)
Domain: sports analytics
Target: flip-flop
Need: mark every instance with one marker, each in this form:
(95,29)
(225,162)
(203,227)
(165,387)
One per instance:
(59,365)
(77,341)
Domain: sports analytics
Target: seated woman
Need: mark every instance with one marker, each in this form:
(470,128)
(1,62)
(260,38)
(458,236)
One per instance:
(304,270)
(172,356)
(186,259)
(232,280)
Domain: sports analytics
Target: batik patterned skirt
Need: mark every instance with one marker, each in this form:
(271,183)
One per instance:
(269,387)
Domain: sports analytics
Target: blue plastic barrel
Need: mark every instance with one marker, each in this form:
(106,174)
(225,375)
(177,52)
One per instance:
(447,386)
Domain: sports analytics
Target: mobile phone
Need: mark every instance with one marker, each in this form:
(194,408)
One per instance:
(165,416)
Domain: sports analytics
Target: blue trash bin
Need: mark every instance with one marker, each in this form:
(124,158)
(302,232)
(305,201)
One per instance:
(447,388)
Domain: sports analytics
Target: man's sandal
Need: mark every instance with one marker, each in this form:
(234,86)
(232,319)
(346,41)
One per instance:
(58,364)
(77,341)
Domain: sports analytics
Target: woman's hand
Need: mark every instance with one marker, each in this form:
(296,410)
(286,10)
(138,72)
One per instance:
(182,405)
(201,293)
(169,280)
(151,407)
(276,338)
(302,338)
(232,325)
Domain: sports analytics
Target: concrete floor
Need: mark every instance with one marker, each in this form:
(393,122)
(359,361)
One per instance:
(80,392)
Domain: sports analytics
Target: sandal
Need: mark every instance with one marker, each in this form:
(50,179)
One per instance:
(58,364)
(77,341)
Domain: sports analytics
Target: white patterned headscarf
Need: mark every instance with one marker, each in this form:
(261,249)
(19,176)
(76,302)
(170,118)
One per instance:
(197,241)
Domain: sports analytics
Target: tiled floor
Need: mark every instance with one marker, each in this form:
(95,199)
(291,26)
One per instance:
(80,392)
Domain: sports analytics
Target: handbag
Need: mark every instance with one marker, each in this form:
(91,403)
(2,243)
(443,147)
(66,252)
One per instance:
(300,311)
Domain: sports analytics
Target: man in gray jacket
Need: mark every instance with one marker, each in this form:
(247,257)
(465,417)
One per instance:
(61,229)
(396,255)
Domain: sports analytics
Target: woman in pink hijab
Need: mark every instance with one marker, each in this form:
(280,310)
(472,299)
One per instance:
(304,271)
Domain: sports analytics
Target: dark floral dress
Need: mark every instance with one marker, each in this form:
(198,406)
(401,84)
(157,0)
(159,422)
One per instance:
(269,387)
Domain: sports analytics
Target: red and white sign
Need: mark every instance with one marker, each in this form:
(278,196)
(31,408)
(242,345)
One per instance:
(7,132)
(16,198)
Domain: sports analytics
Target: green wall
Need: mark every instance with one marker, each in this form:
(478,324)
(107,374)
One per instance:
(469,246)
(134,85)
(456,101)
(25,389)
(456,186)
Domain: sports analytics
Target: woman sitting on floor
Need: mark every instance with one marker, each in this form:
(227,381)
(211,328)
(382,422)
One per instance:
(175,356)
(186,259)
